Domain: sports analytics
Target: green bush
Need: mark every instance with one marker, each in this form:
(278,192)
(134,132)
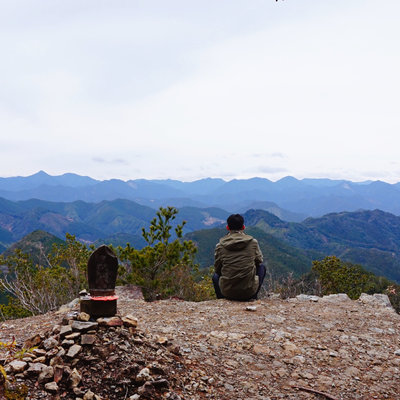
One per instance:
(340,277)
(163,268)
(336,276)
(35,289)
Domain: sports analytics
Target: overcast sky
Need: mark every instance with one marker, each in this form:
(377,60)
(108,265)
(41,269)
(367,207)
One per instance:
(192,89)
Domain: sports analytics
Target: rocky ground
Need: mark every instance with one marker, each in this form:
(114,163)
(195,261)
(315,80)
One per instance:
(303,348)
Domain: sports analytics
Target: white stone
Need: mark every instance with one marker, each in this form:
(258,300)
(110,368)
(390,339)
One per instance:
(376,299)
(143,375)
(306,297)
(336,298)
(18,366)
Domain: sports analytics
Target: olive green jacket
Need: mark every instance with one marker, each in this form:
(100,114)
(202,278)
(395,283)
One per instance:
(236,257)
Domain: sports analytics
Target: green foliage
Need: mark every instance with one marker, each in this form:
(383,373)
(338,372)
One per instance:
(339,277)
(37,244)
(13,309)
(162,268)
(336,276)
(36,289)
(72,256)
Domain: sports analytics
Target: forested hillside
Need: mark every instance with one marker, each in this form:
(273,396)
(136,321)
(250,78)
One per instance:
(90,222)
(370,238)
(281,258)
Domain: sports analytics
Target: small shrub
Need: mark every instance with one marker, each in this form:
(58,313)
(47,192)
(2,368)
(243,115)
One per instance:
(35,289)
(339,277)
(162,269)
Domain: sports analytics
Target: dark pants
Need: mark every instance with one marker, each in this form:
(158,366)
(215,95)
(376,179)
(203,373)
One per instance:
(260,271)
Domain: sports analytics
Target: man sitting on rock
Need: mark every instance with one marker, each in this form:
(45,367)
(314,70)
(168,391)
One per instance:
(239,272)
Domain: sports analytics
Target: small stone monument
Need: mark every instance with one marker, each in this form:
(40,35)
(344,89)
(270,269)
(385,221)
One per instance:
(102,275)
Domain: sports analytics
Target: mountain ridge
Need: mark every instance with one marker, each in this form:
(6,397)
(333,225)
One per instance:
(370,238)
(308,197)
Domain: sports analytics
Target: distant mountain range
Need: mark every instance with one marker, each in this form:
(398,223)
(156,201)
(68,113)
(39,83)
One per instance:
(113,221)
(369,238)
(289,198)
(104,212)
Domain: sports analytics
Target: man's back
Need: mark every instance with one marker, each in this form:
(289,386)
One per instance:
(236,257)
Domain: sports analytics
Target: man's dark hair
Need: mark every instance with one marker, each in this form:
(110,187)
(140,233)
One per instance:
(235,222)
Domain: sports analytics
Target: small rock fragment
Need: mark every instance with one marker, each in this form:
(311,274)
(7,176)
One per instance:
(58,373)
(74,350)
(41,359)
(88,339)
(65,330)
(73,336)
(51,353)
(306,297)
(89,395)
(162,340)
(130,321)
(75,378)
(46,374)
(39,352)
(82,326)
(33,341)
(51,387)
(18,366)
(143,375)
(111,321)
(82,316)
(49,343)
(35,369)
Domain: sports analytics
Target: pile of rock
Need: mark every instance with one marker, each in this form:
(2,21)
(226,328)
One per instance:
(92,360)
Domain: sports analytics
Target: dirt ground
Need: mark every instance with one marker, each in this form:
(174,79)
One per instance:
(325,348)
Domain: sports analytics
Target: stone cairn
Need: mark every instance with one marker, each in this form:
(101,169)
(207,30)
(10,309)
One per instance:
(96,355)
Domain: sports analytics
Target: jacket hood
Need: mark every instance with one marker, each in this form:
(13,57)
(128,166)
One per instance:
(235,240)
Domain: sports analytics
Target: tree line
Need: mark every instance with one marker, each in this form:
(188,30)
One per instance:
(164,268)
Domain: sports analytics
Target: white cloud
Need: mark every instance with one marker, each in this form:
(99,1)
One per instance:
(187,90)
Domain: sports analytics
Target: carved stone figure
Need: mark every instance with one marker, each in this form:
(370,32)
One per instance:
(102,272)
(102,275)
